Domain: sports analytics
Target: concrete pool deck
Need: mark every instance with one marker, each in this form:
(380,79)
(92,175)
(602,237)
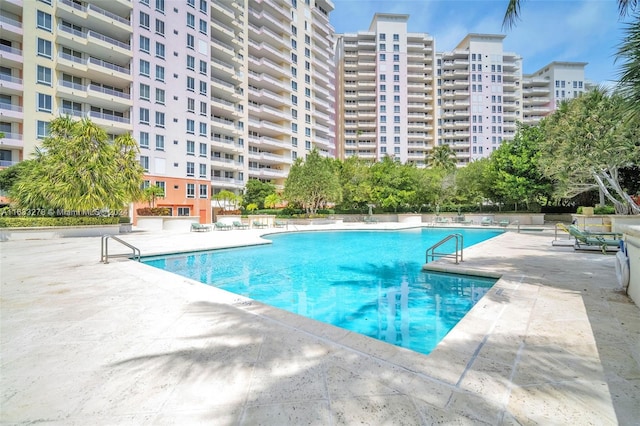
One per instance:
(554,342)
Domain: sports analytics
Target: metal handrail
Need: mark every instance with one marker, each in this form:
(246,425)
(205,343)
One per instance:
(104,249)
(458,253)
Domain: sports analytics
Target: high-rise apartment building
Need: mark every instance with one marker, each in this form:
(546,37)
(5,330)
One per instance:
(479,96)
(62,57)
(397,96)
(543,90)
(385,102)
(215,92)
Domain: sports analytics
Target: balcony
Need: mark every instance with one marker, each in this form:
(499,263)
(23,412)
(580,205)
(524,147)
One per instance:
(12,141)
(11,85)
(11,112)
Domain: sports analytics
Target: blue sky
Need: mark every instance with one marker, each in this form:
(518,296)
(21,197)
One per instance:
(560,30)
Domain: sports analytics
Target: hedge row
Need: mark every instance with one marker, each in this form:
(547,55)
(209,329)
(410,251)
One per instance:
(28,222)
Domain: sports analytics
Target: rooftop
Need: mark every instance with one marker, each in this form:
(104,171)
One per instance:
(554,341)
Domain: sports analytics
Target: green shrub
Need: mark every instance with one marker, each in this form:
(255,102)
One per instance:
(37,221)
(604,210)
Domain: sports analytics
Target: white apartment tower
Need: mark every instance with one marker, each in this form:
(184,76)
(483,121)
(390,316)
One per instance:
(385,100)
(543,90)
(479,96)
(215,91)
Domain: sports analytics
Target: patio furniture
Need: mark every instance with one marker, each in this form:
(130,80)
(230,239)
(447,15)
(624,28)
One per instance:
(198,227)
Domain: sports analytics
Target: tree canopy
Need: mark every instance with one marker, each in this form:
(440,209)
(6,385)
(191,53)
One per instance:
(586,144)
(313,182)
(79,168)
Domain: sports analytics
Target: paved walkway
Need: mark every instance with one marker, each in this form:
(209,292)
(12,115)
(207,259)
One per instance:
(554,342)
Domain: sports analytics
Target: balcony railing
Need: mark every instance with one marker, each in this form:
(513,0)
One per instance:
(108,65)
(109,117)
(10,78)
(109,40)
(108,14)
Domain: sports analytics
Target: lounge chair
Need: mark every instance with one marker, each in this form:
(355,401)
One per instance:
(370,219)
(603,240)
(504,223)
(440,219)
(239,225)
(223,226)
(258,224)
(486,221)
(280,224)
(198,227)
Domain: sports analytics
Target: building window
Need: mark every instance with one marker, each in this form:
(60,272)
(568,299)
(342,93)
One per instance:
(159,73)
(159,50)
(203,129)
(144,115)
(191,105)
(203,26)
(144,44)
(160,6)
(159,142)
(203,150)
(144,162)
(159,119)
(191,84)
(191,126)
(159,27)
(144,140)
(160,96)
(184,211)
(44,48)
(191,190)
(144,68)
(203,6)
(191,169)
(144,20)
(42,129)
(44,102)
(383,57)
(44,21)
(203,87)
(144,91)
(191,63)
(203,108)
(203,189)
(191,148)
(44,75)
(203,67)
(191,41)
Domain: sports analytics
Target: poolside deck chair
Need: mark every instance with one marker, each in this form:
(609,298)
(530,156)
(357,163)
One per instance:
(223,226)
(440,219)
(198,227)
(486,221)
(604,240)
(258,224)
(239,225)
(370,219)
(280,224)
(504,223)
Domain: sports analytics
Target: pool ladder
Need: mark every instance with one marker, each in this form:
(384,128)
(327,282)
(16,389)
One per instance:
(104,249)
(431,251)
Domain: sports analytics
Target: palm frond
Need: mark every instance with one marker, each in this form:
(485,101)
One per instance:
(512,14)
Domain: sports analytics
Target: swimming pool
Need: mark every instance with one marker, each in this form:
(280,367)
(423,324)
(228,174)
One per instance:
(369,282)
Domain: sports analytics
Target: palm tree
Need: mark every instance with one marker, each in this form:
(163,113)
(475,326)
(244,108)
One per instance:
(512,13)
(629,53)
(442,157)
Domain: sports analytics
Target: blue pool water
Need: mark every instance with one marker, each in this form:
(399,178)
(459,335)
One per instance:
(369,282)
